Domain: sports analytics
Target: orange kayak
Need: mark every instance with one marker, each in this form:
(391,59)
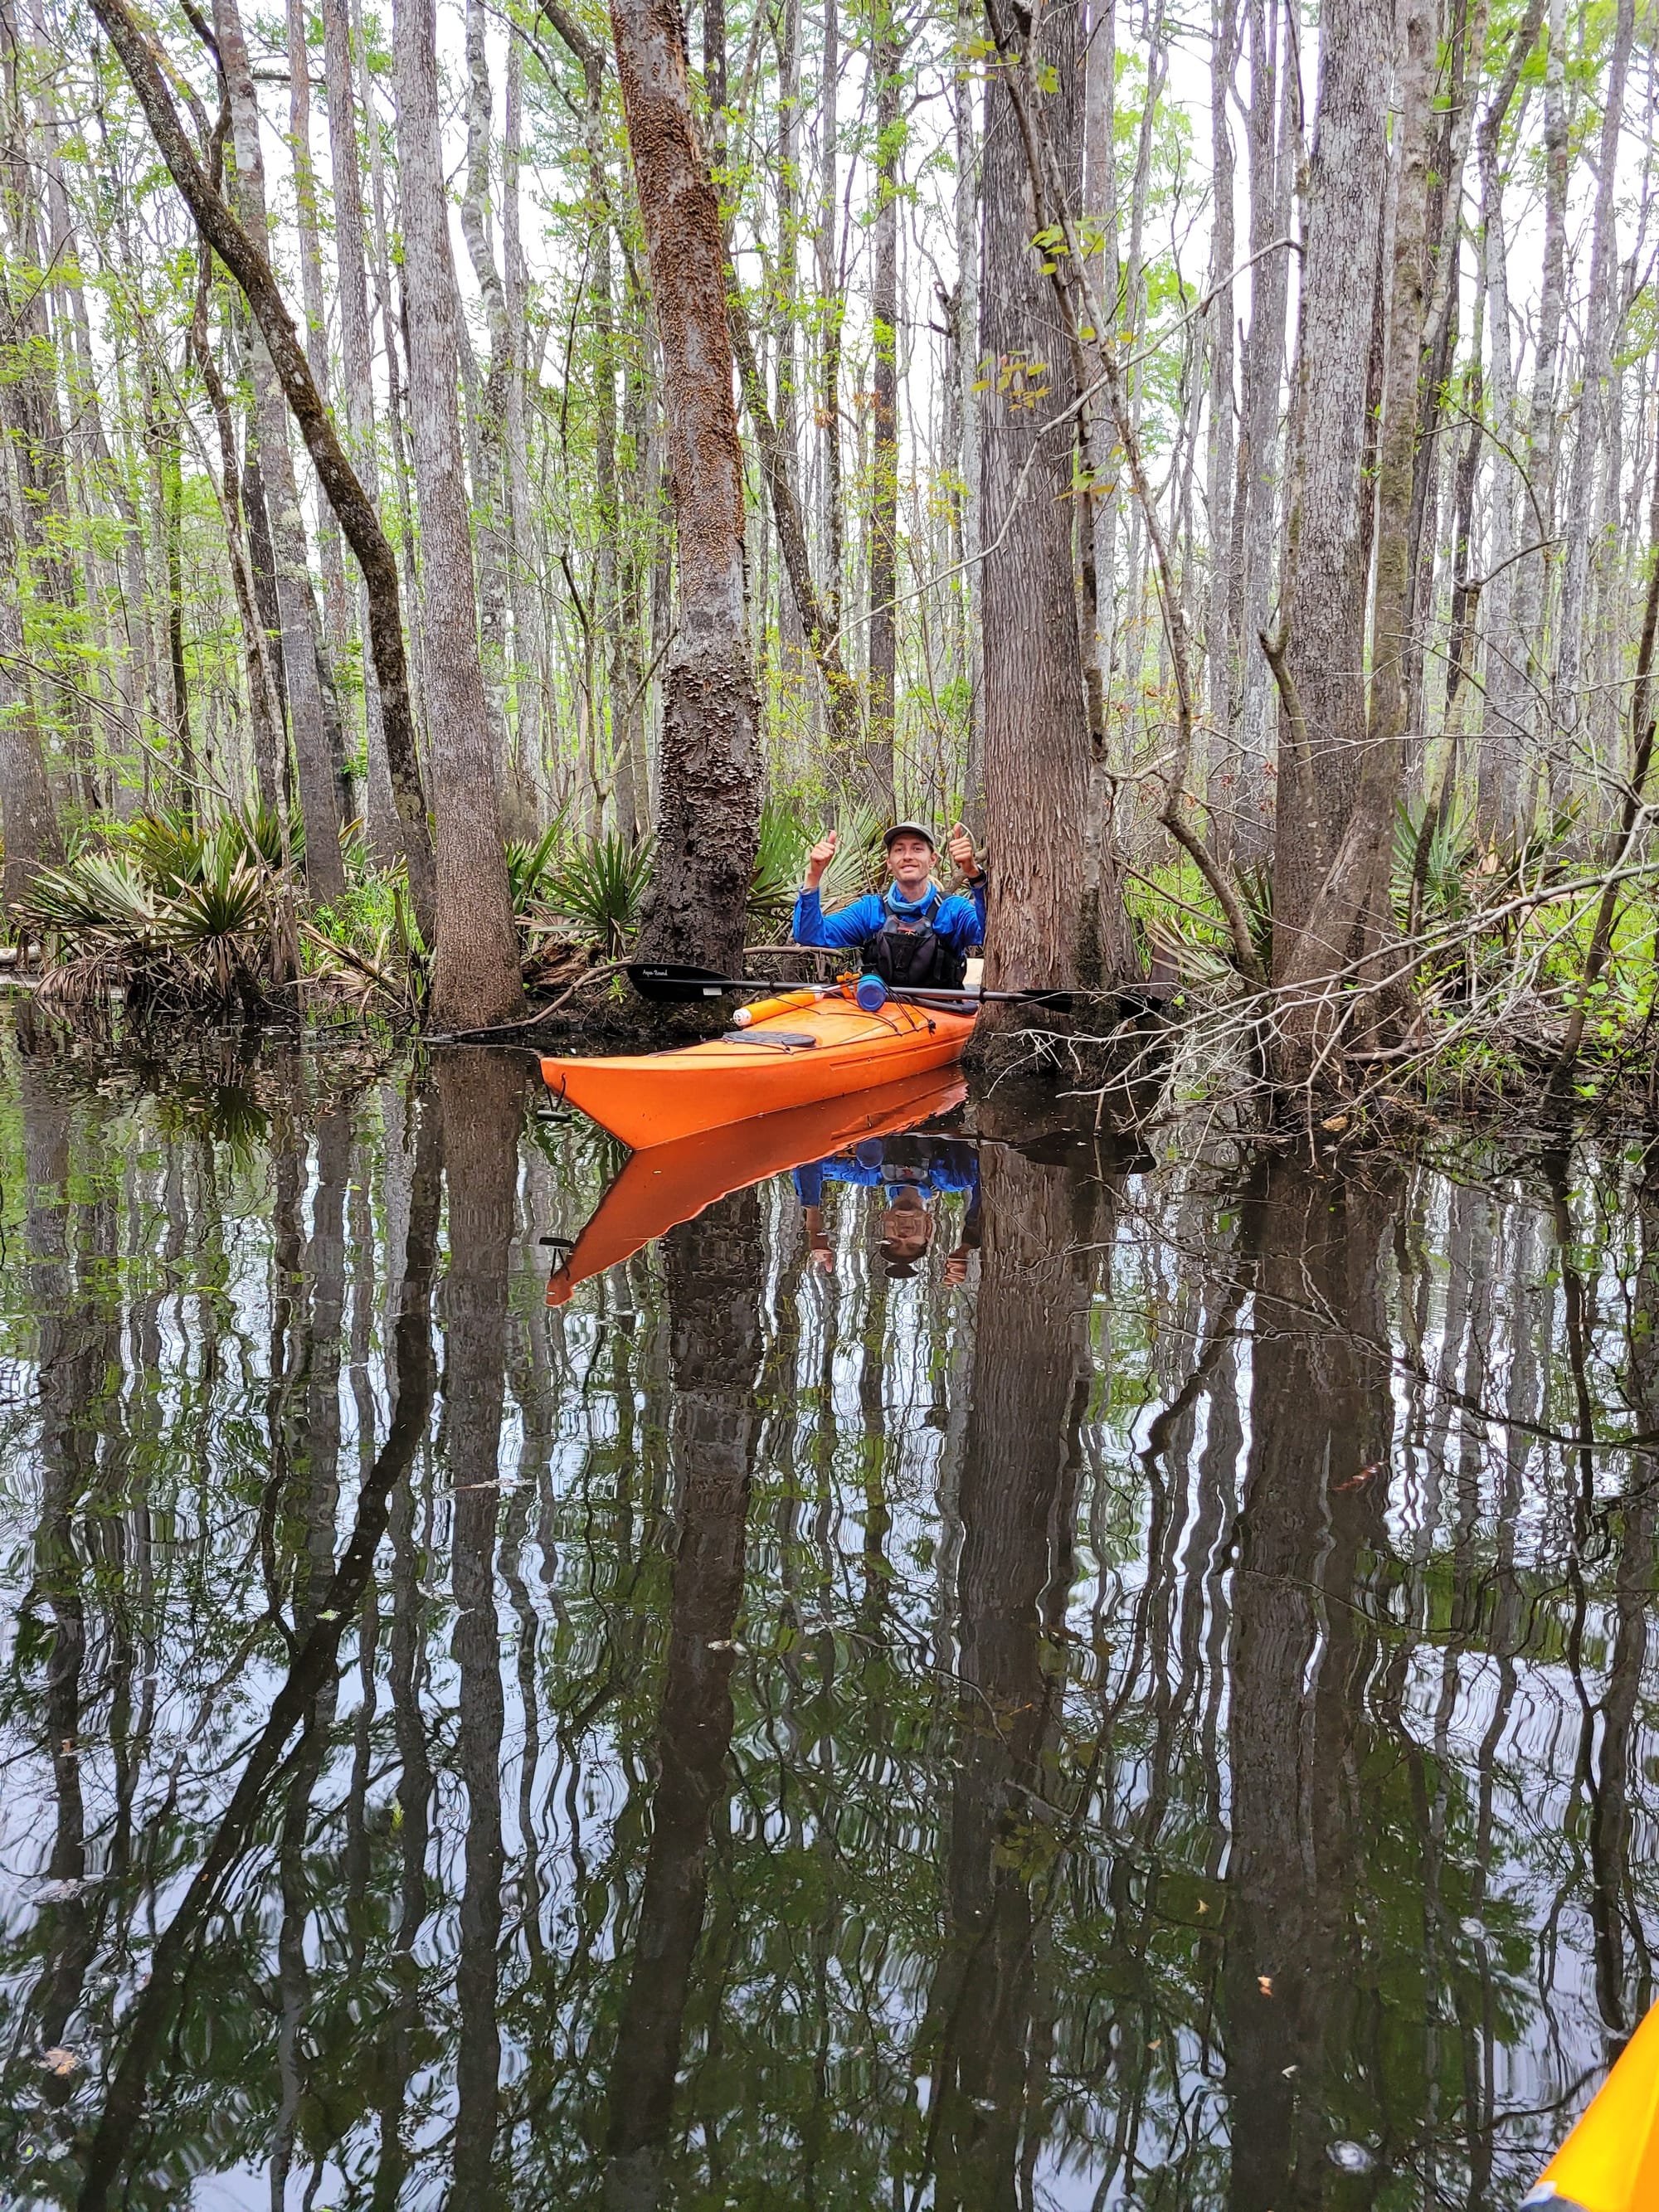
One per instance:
(1610,2162)
(669,1183)
(796,1057)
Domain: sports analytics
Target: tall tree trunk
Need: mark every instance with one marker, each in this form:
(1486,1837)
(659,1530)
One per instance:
(1543,423)
(264,708)
(384,832)
(524,597)
(490,486)
(1044,926)
(1274,140)
(307,725)
(831,289)
(28,822)
(1221,686)
(311,292)
(968,367)
(29,403)
(877,777)
(1592,432)
(475,977)
(709,803)
(1500,779)
(1327,559)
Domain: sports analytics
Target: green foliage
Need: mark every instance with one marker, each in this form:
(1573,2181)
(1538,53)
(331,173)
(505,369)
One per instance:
(786,836)
(175,913)
(780,861)
(95,891)
(529,865)
(597,882)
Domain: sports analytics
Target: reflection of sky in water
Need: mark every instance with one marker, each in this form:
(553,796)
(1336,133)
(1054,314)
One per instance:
(940,1943)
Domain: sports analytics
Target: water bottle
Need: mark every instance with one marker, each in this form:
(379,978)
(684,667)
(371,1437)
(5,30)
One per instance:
(871,993)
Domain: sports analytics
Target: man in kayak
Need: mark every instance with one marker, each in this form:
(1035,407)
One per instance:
(910,1173)
(911,934)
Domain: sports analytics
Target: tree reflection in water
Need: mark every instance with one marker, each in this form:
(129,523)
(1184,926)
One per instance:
(1168,1720)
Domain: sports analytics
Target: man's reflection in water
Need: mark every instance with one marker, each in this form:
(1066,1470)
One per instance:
(715,1266)
(910,1171)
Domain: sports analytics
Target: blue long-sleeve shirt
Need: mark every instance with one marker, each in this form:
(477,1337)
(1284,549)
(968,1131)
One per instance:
(945,1164)
(960,921)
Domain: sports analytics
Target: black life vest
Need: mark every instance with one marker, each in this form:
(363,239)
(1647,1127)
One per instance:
(909,953)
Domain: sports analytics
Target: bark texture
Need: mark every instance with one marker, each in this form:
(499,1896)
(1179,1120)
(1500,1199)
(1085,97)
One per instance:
(1037,741)
(708,803)
(476,978)
(1322,599)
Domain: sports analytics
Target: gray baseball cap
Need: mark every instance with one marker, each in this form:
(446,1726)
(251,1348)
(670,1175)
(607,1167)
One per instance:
(909,830)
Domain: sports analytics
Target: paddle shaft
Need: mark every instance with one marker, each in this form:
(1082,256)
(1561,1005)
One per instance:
(654,981)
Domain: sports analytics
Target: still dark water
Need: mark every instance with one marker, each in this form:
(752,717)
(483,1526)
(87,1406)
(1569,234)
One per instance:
(1139,1691)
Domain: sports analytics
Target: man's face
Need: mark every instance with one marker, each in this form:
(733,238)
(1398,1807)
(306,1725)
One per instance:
(907,1229)
(911,862)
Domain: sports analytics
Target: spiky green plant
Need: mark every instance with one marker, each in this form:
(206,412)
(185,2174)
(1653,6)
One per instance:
(97,893)
(529,865)
(167,847)
(597,882)
(260,830)
(779,859)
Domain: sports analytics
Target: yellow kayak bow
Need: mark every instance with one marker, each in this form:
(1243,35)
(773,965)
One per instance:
(1610,2162)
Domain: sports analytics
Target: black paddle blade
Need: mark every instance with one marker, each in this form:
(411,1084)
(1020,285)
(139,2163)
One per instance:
(667,985)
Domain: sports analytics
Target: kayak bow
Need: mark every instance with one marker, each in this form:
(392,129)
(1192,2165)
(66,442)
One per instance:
(1610,2162)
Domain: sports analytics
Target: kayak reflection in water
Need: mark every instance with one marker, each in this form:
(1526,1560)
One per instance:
(910,1171)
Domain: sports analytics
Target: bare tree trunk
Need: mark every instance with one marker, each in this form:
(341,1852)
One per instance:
(1499,778)
(1327,561)
(876,779)
(476,976)
(1593,431)
(1044,924)
(1543,426)
(969,358)
(311,292)
(31,410)
(1273,138)
(831,557)
(709,805)
(526,626)
(27,820)
(264,708)
(319,804)
(1221,687)
(384,832)
(490,486)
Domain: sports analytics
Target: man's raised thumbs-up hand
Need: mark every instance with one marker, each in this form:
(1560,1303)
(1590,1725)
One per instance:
(818,859)
(960,846)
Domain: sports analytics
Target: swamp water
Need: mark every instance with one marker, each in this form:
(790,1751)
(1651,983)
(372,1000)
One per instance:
(996,1672)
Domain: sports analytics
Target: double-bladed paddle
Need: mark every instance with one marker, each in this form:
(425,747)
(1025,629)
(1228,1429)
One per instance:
(675,986)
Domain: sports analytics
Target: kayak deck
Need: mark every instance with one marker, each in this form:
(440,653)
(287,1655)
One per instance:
(796,1058)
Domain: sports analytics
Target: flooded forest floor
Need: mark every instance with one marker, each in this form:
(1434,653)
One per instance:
(996,1666)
